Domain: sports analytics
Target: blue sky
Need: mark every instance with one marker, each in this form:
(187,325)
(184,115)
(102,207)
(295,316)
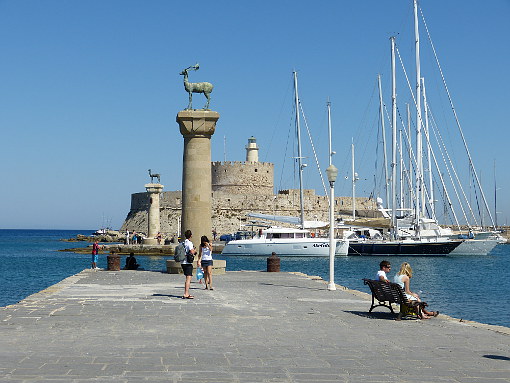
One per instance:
(90,91)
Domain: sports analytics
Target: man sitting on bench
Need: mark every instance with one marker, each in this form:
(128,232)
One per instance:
(385,267)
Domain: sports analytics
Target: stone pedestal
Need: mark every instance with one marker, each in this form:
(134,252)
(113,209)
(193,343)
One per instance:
(113,262)
(197,127)
(153,215)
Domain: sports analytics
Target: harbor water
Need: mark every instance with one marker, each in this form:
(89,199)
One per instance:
(466,287)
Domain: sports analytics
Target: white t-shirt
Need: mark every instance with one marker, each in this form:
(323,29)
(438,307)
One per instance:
(383,274)
(188,245)
(206,254)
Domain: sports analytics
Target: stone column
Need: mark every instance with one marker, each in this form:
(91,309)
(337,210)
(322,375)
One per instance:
(197,127)
(153,216)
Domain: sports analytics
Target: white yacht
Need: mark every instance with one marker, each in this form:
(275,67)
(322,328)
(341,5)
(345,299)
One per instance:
(288,241)
(285,242)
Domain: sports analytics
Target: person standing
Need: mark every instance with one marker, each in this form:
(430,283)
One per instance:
(187,267)
(205,261)
(95,252)
(127,237)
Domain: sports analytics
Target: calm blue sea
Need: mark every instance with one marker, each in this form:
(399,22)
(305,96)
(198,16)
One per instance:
(468,287)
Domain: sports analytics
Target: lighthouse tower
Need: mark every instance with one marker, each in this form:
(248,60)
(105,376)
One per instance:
(252,150)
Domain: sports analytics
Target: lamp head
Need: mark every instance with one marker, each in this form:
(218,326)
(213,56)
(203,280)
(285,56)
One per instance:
(332,173)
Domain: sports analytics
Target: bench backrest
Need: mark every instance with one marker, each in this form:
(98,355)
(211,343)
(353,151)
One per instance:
(386,292)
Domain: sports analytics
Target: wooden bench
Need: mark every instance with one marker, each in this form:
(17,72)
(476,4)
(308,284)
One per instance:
(386,293)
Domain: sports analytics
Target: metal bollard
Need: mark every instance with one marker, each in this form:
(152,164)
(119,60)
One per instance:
(273,263)
(113,261)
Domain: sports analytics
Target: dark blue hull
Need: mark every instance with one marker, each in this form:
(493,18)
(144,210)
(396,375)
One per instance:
(402,248)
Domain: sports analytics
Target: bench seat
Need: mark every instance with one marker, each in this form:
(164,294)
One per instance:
(387,293)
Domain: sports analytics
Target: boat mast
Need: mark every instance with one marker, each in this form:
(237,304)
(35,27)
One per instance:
(393,141)
(381,109)
(300,165)
(495,199)
(354,179)
(409,150)
(419,146)
(401,165)
(429,154)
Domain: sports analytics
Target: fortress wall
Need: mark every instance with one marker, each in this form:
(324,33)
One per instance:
(229,211)
(242,177)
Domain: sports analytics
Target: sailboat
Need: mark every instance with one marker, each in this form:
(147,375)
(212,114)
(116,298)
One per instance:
(286,241)
(414,234)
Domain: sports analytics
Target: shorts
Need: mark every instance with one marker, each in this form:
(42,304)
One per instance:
(94,258)
(206,263)
(187,268)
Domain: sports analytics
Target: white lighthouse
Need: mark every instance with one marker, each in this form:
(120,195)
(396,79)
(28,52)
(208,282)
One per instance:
(252,150)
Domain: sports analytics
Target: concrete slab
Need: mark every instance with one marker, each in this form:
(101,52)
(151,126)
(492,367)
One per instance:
(131,326)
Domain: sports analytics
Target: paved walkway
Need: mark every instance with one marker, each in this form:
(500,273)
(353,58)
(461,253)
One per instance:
(132,326)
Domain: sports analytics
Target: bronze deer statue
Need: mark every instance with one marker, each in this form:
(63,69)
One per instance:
(196,87)
(155,175)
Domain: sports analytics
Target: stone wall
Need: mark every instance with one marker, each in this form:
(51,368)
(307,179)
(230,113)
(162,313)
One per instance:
(229,210)
(242,177)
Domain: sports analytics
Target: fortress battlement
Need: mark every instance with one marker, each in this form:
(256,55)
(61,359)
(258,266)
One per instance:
(242,163)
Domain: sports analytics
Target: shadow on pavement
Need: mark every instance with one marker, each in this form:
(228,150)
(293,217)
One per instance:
(498,357)
(376,315)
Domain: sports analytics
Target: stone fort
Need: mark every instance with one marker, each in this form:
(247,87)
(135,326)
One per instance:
(239,188)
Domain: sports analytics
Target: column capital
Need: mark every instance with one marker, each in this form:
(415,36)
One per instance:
(197,123)
(154,188)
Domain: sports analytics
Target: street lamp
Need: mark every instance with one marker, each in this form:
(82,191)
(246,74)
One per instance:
(332,173)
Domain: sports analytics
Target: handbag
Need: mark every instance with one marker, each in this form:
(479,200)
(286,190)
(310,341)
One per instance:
(190,258)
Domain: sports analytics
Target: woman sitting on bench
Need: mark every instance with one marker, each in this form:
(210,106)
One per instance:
(403,278)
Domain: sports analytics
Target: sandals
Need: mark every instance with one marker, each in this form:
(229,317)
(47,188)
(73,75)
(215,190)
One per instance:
(188,297)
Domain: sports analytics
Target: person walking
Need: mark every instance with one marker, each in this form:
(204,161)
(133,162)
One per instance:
(205,261)
(187,267)
(95,252)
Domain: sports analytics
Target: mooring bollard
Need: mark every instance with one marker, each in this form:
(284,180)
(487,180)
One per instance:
(273,263)
(113,261)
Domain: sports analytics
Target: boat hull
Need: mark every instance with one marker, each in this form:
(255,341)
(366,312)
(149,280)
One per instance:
(475,247)
(402,248)
(316,247)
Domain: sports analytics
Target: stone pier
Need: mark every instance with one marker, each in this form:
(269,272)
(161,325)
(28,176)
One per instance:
(153,215)
(197,127)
